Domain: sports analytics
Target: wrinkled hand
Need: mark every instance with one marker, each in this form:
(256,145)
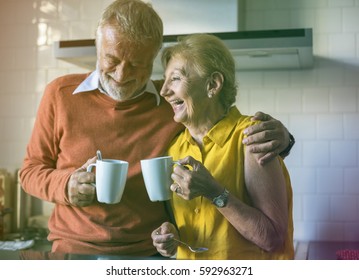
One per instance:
(269,137)
(162,238)
(195,181)
(80,191)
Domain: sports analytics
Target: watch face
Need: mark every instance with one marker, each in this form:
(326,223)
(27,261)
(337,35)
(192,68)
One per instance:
(220,203)
(221,200)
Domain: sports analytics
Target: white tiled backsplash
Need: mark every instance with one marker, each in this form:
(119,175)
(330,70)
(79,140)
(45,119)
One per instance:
(320,106)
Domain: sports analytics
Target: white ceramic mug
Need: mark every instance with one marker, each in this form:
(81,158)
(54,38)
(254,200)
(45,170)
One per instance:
(157,176)
(111,175)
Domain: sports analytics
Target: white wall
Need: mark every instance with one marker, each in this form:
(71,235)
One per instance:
(320,106)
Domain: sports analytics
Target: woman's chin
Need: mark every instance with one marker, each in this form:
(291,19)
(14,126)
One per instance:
(178,118)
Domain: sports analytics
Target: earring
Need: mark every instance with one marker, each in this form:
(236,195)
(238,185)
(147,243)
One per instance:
(210,93)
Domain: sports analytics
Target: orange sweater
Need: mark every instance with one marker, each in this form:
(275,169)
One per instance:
(67,132)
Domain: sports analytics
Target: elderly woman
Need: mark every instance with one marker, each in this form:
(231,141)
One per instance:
(223,198)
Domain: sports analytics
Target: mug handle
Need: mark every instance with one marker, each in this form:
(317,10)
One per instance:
(89,169)
(178,163)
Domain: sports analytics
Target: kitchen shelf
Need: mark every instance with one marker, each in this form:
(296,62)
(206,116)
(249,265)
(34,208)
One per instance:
(252,50)
(78,52)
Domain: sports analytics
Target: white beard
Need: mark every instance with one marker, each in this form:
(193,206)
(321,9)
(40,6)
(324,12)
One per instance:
(112,92)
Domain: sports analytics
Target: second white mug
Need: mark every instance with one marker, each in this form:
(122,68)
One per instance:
(157,176)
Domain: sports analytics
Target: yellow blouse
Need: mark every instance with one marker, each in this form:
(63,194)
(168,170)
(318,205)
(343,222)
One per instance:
(198,221)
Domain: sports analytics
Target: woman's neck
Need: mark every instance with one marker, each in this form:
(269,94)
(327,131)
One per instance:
(199,128)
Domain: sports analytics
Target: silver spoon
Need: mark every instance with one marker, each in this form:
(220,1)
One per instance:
(99,156)
(192,249)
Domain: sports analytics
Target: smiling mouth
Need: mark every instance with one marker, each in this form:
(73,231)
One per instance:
(119,84)
(176,103)
(177,106)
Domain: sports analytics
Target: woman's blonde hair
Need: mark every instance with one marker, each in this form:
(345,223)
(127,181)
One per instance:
(207,54)
(135,19)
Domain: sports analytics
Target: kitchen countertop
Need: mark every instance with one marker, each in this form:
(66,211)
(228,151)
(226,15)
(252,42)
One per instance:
(46,255)
(316,250)
(42,251)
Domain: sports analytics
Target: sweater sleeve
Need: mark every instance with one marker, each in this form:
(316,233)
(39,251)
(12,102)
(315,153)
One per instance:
(39,176)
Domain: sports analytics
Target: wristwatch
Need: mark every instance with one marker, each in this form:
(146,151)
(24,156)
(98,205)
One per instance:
(286,152)
(221,200)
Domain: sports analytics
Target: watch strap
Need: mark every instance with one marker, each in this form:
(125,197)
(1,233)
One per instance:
(286,152)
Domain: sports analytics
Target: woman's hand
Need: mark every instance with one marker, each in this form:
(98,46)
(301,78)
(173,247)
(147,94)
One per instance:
(163,239)
(269,137)
(195,181)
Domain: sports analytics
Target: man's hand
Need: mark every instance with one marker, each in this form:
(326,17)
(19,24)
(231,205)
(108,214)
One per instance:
(269,137)
(79,188)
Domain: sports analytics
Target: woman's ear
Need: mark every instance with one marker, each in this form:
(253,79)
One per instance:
(215,83)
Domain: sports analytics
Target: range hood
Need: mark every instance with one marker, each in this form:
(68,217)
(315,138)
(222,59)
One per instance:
(253,50)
